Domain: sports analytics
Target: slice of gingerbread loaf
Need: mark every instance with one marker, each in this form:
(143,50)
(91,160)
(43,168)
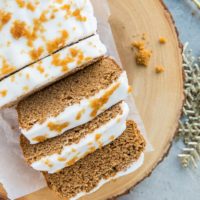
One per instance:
(31,30)
(36,76)
(121,157)
(62,151)
(73,101)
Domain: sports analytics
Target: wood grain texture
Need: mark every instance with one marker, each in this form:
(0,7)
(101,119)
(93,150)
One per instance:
(159,98)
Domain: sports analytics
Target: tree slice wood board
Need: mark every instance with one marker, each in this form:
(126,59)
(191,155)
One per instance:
(159,97)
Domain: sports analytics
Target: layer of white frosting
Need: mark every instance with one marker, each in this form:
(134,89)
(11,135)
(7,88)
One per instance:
(136,165)
(47,70)
(69,115)
(67,21)
(70,154)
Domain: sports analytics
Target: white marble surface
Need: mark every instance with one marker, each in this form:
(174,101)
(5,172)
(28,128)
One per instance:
(169,181)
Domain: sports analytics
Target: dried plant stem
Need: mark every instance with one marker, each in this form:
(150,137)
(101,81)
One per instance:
(189,130)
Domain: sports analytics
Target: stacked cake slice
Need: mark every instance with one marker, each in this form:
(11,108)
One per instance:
(69,95)
(44,72)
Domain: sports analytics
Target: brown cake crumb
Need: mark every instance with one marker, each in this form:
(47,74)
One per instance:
(104,163)
(142,55)
(162,40)
(159,69)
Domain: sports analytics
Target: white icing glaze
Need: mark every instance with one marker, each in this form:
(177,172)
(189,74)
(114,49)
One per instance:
(39,74)
(136,165)
(16,51)
(70,113)
(72,153)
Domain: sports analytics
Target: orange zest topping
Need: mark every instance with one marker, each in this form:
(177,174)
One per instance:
(80,57)
(3,93)
(72,161)
(18,29)
(74,52)
(57,43)
(48,163)
(4,18)
(98,103)
(130,89)
(36,53)
(66,8)
(79,17)
(79,114)
(6,68)
(61,159)
(112,138)
(25,88)
(79,54)
(30,7)
(97,137)
(57,127)
(40,69)
(59,1)
(43,17)
(159,69)
(61,62)
(20,3)
(39,138)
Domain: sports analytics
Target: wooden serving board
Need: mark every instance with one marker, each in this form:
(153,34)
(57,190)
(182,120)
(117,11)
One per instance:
(159,98)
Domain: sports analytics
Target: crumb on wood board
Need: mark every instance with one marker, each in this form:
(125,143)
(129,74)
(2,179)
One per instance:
(142,55)
(159,69)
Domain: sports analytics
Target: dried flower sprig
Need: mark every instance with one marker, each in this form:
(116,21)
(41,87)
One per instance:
(189,129)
